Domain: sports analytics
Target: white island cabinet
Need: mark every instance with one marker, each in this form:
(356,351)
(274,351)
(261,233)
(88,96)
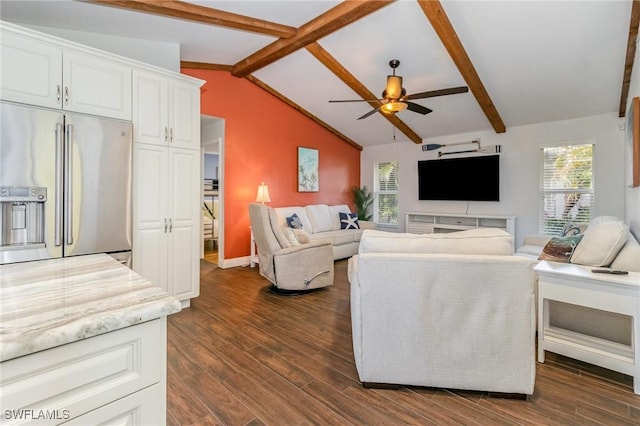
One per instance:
(83,342)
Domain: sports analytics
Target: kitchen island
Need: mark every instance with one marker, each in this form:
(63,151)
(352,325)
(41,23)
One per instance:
(83,341)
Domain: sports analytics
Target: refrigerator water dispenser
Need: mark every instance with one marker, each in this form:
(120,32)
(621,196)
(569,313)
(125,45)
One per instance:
(22,216)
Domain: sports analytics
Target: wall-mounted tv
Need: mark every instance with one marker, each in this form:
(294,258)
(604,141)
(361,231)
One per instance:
(460,179)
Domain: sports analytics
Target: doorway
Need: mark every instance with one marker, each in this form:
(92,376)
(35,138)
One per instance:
(212,165)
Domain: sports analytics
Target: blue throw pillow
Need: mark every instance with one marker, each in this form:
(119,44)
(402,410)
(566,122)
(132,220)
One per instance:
(349,221)
(294,222)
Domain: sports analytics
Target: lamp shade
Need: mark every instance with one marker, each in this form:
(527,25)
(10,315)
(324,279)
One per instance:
(263,194)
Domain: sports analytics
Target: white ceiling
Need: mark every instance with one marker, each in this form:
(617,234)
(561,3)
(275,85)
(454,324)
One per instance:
(540,61)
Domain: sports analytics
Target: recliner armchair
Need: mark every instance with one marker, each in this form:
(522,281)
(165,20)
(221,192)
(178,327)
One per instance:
(291,267)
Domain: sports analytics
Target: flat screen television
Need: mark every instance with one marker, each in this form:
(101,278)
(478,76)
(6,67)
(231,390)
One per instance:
(460,179)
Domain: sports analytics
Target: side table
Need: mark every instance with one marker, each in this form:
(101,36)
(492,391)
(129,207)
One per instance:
(577,285)
(253,254)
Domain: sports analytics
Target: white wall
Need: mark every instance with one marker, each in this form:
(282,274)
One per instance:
(519,169)
(161,54)
(632,195)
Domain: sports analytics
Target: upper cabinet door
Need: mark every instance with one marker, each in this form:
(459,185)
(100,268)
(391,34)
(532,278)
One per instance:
(166,111)
(98,86)
(31,72)
(184,115)
(35,72)
(150,108)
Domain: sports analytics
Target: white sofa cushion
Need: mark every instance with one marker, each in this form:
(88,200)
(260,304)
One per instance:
(320,218)
(285,212)
(473,241)
(601,243)
(628,259)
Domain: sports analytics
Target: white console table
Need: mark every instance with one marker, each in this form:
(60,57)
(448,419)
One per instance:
(577,285)
(429,223)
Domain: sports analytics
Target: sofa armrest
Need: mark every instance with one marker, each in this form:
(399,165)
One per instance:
(304,267)
(536,240)
(366,224)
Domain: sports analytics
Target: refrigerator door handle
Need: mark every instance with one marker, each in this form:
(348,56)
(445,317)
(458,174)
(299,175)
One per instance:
(68,177)
(58,177)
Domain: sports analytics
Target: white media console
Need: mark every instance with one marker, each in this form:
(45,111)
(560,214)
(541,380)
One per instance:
(429,223)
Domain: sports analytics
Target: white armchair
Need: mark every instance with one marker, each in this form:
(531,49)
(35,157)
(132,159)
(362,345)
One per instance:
(290,266)
(443,310)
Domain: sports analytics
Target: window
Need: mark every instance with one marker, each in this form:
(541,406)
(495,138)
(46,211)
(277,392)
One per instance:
(566,194)
(385,205)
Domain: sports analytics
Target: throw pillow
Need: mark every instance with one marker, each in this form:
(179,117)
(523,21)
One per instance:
(600,244)
(349,221)
(302,236)
(291,236)
(560,249)
(294,222)
(573,229)
(628,259)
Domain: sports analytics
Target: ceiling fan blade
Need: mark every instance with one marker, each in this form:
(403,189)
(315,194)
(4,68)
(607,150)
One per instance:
(369,113)
(441,92)
(411,106)
(357,100)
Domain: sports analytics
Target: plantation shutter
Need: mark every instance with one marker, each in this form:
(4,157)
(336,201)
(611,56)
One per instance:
(567,194)
(386,193)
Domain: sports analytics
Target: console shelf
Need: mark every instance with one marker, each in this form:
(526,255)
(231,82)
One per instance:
(429,223)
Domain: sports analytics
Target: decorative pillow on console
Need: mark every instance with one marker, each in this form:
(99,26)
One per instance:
(573,229)
(601,243)
(349,221)
(294,222)
(628,259)
(560,249)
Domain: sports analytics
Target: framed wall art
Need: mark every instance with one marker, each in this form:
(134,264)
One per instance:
(308,161)
(633,143)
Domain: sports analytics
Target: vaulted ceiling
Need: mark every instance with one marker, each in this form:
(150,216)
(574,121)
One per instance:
(524,62)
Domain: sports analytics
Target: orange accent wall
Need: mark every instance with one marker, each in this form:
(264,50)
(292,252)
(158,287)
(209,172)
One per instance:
(262,134)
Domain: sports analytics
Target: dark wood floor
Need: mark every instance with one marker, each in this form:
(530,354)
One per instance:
(243,356)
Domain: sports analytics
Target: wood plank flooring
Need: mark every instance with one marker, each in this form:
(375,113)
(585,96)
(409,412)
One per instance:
(243,356)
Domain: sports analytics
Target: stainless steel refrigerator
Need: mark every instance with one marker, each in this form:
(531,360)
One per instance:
(65,184)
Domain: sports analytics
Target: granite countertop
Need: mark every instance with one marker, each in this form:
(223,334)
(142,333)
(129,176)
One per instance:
(48,303)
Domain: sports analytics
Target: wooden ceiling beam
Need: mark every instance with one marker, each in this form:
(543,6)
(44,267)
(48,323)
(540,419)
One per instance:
(303,111)
(332,20)
(439,20)
(205,66)
(343,74)
(631,53)
(201,14)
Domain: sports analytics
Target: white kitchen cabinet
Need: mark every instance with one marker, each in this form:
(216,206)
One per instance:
(166,240)
(166,110)
(120,375)
(48,74)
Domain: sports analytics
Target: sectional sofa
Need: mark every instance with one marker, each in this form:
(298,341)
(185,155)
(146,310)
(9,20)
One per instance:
(323,222)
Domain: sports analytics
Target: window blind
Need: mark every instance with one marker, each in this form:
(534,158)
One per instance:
(386,193)
(566,193)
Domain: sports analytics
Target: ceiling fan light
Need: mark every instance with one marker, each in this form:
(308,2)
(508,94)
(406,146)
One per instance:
(394,86)
(393,107)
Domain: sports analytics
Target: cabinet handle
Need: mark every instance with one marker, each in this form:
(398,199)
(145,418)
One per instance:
(170,225)
(165,225)
(58,93)
(66,95)
(171,135)
(166,134)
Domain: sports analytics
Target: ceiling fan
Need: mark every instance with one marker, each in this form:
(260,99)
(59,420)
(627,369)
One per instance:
(395,98)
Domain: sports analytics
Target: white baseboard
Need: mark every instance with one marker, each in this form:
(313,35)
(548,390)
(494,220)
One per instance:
(235,262)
